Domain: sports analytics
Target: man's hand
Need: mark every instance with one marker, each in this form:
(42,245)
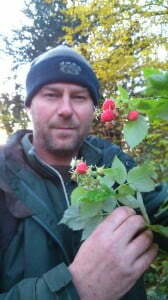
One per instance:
(111,260)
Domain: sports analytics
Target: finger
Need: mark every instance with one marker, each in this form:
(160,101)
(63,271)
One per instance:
(130,228)
(118,216)
(140,244)
(144,261)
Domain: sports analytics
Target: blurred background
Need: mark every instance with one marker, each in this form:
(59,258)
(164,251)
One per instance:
(120,38)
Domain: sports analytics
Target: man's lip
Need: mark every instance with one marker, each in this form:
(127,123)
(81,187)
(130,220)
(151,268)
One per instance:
(67,128)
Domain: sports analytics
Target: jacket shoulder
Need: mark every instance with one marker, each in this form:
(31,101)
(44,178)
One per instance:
(8,224)
(109,150)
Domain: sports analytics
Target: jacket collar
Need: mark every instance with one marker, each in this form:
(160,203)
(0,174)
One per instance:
(91,154)
(18,175)
(21,200)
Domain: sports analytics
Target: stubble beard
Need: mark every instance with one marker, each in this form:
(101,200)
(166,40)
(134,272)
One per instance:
(69,148)
(52,147)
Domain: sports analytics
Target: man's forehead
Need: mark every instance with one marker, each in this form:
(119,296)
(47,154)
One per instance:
(62,86)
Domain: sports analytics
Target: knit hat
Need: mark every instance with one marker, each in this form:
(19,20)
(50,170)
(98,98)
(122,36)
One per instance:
(61,64)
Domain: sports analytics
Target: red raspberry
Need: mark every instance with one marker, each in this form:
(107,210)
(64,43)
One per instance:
(108,115)
(133,115)
(81,168)
(108,104)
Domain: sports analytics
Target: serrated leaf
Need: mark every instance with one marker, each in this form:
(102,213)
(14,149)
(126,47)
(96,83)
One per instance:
(98,195)
(125,196)
(119,171)
(129,201)
(125,190)
(124,96)
(162,208)
(140,180)
(77,194)
(148,169)
(144,105)
(107,179)
(162,111)
(135,131)
(109,205)
(72,218)
(142,207)
(156,83)
(163,230)
(88,210)
(91,225)
(150,71)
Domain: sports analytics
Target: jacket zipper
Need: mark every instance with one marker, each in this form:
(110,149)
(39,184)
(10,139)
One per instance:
(59,176)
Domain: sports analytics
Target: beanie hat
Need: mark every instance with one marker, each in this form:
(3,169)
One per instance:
(61,64)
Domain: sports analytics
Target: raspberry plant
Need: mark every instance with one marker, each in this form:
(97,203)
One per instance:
(101,190)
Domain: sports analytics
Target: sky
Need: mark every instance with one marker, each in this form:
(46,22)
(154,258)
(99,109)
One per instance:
(10,14)
(10,18)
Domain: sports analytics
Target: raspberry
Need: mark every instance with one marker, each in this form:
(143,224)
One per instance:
(81,168)
(108,115)
(108,104)
(133,115)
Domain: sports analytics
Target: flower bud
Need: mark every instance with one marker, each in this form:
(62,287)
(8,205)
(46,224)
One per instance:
(133,115)
(108,116)
(81,168)
(108,104)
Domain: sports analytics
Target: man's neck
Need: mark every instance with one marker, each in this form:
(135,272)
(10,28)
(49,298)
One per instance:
(61,159)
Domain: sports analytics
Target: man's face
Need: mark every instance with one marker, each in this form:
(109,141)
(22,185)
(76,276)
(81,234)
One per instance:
(61,114)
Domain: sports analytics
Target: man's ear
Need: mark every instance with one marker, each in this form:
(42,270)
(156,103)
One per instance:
(28,111)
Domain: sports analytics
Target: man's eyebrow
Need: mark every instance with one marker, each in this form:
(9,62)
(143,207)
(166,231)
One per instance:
(80,90)
(75,90)
(50,88)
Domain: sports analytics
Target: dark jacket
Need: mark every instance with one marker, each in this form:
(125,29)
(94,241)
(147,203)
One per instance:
(34,250)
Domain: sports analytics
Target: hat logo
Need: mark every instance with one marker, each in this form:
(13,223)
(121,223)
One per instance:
(69,67)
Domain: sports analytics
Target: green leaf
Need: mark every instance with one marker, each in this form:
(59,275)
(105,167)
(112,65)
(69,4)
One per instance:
(90,209)
(129,201)
(148,169)
(140,179)
(72,218)
(163,230)
(77,194)
(124,96)
(144,104)
(142,207)
(135,131)
(125,196)
(109,205)
(98,194)
(150,71)
(125,190)
(156,83)
(119,171)
(162,111)
(90,226)
(162,208)
(108,178)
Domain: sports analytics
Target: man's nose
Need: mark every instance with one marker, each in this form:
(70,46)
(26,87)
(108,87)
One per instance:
(65,108)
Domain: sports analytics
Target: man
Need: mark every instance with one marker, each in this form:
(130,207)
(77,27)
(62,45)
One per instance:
(40,259)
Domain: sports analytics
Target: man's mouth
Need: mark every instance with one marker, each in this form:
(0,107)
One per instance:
(65,128)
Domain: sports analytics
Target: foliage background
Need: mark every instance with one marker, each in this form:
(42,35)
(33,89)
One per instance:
(120,38)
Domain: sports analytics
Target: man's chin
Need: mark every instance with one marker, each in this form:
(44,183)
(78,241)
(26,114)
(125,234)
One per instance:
(63,148)
(63,152)
(62,143)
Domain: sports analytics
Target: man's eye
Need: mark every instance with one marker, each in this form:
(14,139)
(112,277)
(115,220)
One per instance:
(50,95)
(79,97)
